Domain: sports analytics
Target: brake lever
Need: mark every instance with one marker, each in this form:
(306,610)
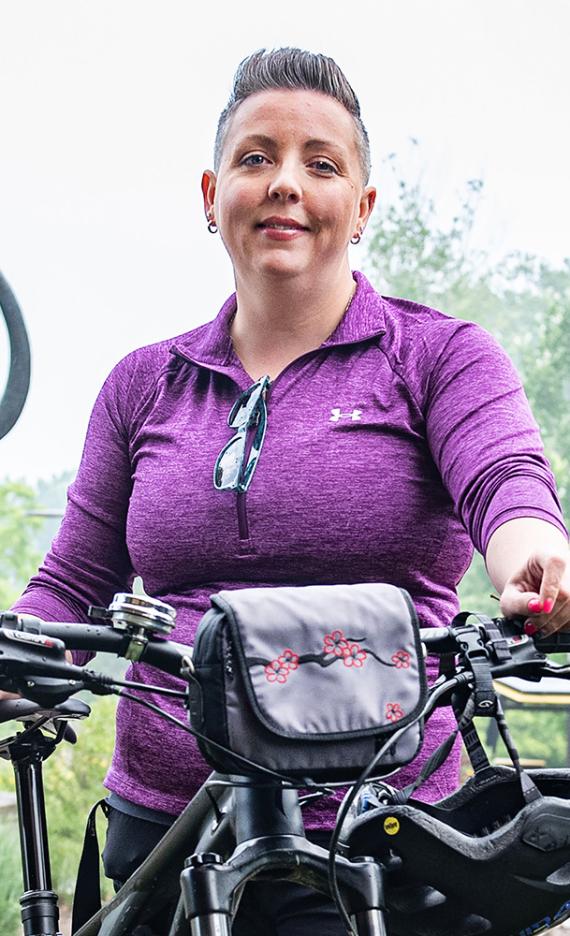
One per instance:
(46,691)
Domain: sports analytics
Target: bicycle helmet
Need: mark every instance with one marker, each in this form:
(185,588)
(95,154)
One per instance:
(479,861)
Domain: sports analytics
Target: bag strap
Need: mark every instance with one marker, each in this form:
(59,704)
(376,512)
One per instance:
(87,896)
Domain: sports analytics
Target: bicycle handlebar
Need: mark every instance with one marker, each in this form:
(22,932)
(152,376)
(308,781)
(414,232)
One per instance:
(165,655)
(171,657)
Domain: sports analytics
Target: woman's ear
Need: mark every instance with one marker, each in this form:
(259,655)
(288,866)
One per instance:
(208,193)
(367,202)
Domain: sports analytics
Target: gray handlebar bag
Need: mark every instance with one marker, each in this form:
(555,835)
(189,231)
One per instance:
(309,681)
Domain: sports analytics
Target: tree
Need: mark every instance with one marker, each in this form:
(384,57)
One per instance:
(19,557)
(51,494)
(546,368)
(411,254)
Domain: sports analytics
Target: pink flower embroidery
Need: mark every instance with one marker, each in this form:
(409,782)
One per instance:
(289,658)
(353,655)
(394,711)
(336,643)
(276,672)
(401,659)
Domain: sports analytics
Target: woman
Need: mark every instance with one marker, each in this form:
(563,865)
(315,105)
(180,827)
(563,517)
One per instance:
(397,439)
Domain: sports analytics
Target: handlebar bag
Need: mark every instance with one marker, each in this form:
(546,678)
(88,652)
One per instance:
(310,681)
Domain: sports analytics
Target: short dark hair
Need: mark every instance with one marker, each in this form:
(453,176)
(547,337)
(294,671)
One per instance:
(293,69)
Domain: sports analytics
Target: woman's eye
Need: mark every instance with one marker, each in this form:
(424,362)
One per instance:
(254,159)
(324,166)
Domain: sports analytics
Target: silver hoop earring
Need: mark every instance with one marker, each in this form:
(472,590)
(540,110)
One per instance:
(212,227)
(356,238)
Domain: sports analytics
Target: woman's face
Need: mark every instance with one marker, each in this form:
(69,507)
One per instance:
(289,192)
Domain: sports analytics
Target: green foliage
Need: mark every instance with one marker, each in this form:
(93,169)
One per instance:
(538,735)
(546,368)
(19,556)
(412,255)
(51,494)
(10,877)
(475,590)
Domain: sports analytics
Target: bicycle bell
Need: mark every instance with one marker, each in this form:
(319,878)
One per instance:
(140,616)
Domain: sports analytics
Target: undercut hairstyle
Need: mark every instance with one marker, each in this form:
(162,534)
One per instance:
(291,70)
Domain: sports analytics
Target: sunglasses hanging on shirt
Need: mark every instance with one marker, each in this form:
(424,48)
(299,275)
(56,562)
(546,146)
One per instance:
(238,459)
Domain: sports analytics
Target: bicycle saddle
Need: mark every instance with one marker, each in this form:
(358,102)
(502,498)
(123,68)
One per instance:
(480,861)
(48,718)
(21,709)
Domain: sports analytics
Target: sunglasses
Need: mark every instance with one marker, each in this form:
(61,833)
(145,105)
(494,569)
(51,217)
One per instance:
(236,464)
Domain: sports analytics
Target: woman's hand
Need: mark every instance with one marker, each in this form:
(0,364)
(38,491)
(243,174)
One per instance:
(528,561)
(540,589)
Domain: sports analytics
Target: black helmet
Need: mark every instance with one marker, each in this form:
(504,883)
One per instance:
(480,861)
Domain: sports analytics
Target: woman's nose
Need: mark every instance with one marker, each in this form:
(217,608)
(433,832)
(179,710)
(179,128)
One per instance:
(285,184)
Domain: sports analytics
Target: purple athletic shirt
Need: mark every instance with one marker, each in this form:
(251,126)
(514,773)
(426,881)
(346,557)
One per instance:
(390,450)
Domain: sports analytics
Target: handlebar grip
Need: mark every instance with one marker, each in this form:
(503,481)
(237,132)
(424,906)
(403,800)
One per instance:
(555,643)
(439,640)
(165,655)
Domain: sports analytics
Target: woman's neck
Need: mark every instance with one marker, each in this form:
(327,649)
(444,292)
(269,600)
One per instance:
(275,325)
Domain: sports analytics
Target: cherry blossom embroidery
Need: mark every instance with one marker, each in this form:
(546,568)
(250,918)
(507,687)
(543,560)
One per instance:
(336,643)
(394,711)
(353,655)
(276,671)
(289,658)
(336,647)
(401,659)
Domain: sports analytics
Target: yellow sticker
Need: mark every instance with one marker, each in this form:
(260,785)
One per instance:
(391,825)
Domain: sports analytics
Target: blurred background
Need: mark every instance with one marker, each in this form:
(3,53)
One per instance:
(109,112)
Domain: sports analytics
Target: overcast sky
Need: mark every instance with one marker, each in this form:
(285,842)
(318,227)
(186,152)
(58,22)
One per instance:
(108,112)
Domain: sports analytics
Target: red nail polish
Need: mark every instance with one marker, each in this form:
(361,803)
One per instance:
(530,628)
(535,605)
(548,605)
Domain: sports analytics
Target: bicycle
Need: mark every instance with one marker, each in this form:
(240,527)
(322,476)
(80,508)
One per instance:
(427,869)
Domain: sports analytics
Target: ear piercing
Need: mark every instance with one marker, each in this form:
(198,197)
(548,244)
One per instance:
(356,238)
(212,226)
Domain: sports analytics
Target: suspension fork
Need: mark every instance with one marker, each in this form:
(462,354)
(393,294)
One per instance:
(271,841)
(208,884)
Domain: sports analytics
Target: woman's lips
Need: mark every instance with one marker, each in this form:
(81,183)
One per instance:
(281,228)
(282,234)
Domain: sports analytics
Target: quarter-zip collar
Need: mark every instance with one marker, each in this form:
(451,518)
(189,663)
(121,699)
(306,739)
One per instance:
(210,345)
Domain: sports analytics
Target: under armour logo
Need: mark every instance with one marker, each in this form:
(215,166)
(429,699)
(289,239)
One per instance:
(336,415)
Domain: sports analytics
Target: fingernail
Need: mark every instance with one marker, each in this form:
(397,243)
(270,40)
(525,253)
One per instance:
(548,605)
(530,628)
(535,605)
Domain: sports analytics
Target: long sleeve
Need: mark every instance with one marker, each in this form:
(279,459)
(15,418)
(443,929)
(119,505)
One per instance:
(88,560)
(484,438)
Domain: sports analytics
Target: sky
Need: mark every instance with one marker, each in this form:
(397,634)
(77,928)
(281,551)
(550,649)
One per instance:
(108,115)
